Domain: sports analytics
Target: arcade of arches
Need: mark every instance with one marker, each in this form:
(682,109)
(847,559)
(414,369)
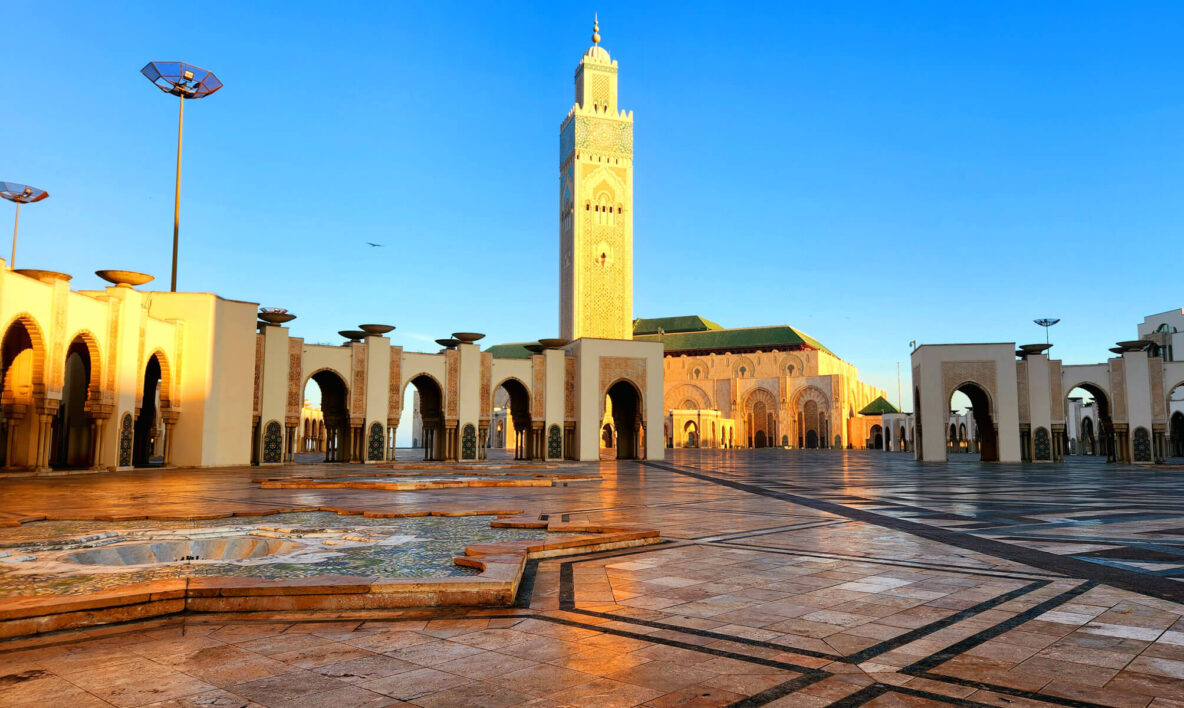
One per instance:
(123,378)
(1026,407)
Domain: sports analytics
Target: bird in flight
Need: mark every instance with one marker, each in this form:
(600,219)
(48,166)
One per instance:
(374,245)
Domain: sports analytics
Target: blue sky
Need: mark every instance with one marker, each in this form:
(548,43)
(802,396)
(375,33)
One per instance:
(871,173)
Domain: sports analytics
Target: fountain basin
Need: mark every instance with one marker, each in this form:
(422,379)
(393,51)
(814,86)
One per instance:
(212,549)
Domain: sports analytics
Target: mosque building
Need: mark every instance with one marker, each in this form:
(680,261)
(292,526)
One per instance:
(760,387)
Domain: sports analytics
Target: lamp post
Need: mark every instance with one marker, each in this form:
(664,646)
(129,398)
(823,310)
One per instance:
(19,194)
(1047,322)
(184,81)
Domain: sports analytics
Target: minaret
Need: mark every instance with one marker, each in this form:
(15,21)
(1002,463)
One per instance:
(596,205)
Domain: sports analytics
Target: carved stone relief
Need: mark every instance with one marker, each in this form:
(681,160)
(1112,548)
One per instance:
(357,405)
(955,373)
(295,377)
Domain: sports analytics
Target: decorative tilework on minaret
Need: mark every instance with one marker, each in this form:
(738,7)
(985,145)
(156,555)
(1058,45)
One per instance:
(596,205)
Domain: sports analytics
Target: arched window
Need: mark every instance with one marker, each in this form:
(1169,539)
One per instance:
(604,209)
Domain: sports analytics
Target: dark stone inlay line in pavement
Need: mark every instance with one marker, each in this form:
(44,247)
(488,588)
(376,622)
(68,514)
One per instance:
(912,636)
(769,531)
(1142,583)
(923,668)
(947,568)
(779,691)
(785,666)
(567,590)
(875,690)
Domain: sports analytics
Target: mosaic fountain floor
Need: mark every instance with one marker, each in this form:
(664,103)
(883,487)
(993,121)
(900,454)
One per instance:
(417,481)
(67,557)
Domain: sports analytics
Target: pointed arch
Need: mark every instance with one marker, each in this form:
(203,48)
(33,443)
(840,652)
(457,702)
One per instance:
(35,341)
(810,393)
(88,339)
(791,365)
(743,368)
(602,179)
(166,378)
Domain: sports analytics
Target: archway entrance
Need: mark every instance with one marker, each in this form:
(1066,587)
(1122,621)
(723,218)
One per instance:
(760,418)
(986,435)
(20,379)
(1087,412)
(918,448)
(1087,440)
(606,436)
(1175,438)
(431,417)
(812,419)
(690,434)
(760,422)
(72,430)
(626,406)
(1176,435)
(876,438)
(334,397)
(148,438)
(519,406)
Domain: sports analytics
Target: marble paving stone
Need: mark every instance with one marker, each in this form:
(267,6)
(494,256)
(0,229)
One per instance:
(782,580)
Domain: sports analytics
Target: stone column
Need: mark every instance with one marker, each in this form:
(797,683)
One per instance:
(639,439)
(536,439)
(96,443)
(170,423)
(46,408)
(453,441)
(13,416)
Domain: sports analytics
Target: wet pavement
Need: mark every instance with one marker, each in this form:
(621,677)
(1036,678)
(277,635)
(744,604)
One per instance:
(794,578)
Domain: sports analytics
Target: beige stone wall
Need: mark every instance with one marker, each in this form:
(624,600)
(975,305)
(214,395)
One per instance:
(205,347)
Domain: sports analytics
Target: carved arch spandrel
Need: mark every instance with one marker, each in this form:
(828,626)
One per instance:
(955,374)
(810,393)
(684,392)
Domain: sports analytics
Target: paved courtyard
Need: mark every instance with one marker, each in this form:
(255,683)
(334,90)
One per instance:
(791,578)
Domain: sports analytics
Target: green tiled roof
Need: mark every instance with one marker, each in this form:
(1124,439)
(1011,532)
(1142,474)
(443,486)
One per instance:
(878,407)
(513,350)
(734,339)
(673,325)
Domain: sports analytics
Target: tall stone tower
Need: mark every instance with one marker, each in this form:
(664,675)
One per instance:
(596,205)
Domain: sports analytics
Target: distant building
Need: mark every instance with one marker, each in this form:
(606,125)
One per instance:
(760,387)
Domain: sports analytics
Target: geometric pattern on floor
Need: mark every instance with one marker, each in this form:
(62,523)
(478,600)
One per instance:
(788,578)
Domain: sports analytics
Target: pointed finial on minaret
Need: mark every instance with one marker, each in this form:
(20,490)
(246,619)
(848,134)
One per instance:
(595,28)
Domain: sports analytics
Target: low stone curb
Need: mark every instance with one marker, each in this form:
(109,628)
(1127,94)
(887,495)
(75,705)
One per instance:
(501,566)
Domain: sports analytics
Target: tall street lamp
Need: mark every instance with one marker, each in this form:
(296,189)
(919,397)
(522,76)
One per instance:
(1046,323)
(20,194)
(184,81)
